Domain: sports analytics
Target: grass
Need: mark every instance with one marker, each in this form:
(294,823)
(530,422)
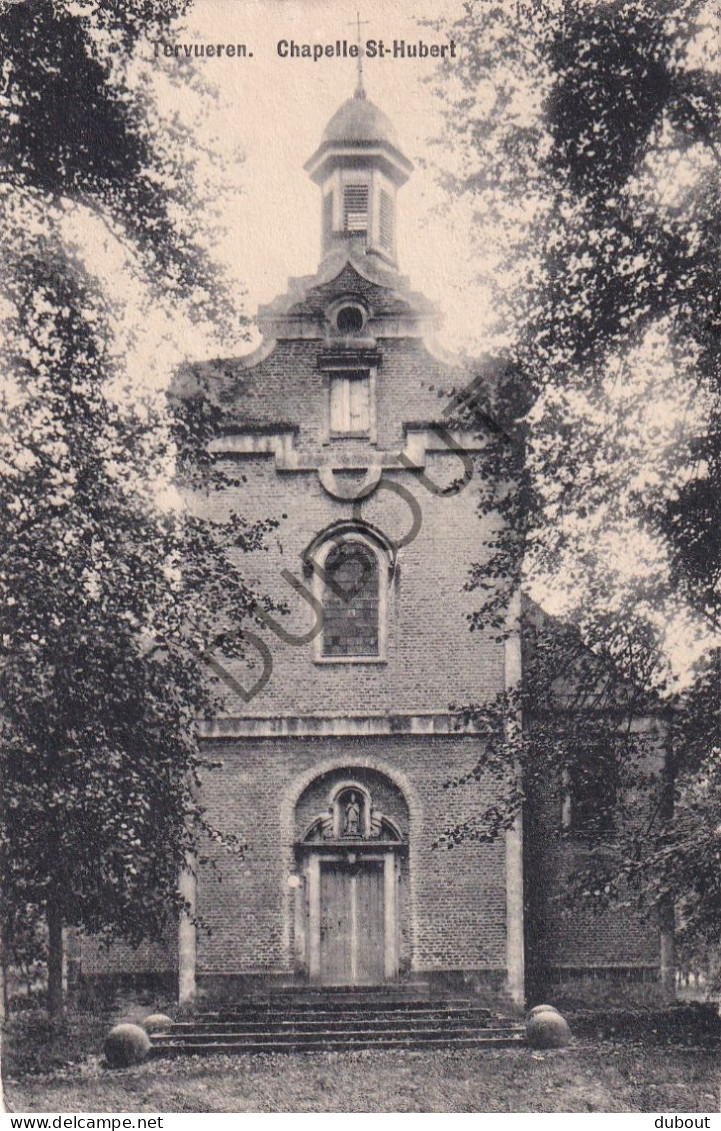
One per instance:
(633,1060)
(600,1077)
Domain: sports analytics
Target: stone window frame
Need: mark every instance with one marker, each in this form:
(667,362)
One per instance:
(340,439)
(338,308)
(354,355)
(321,551)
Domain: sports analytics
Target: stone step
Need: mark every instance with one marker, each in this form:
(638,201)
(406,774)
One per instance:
(305,1026)
(329,1020)
(398,989)
(170,1036)
(281,1017)
(321,1042)
(358,1008)
(443,1024)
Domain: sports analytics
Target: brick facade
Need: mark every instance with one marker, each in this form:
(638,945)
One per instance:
(431,658)
(565,941)
(380,721)
(248,906)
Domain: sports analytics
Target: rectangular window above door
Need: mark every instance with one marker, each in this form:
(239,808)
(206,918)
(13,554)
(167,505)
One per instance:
(350,404)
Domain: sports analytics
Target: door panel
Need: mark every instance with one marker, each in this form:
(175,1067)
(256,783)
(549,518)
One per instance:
(352,922)
(335,923)
(370,903)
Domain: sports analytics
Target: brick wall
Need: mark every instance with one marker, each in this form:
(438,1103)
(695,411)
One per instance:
(452,903)
(288,387)
(148,958)
(432,658)
(455,901)
(454,906)
(561,938)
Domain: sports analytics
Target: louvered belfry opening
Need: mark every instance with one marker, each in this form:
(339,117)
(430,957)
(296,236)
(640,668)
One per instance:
(327,219)
(351,601)
(355,208)
(360,166)
(387,233)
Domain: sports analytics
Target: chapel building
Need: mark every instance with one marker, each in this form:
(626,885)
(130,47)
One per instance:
(339,745)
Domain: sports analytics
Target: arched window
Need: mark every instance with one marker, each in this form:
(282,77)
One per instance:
(351,601)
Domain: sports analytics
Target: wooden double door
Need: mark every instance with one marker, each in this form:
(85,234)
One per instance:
(352,922)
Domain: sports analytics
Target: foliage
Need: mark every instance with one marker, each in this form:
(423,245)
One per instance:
(35,1044)
(578,111)
(109,599)
(77,130)
(587,139)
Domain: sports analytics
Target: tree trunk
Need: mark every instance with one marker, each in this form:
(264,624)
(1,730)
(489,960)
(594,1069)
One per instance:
(56,1001)
(4,964)
(4,1006)
(666,911)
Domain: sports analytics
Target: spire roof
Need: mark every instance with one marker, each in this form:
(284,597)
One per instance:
(359,132)
(359,120)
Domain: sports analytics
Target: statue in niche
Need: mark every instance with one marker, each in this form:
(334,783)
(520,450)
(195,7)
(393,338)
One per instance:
(351,826)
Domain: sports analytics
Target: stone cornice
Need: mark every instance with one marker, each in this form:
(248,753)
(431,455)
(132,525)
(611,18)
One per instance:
(280,443)
(332,725)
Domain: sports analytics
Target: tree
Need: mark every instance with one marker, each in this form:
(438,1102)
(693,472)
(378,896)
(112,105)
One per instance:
(79,132)
(603,120)
(110,600)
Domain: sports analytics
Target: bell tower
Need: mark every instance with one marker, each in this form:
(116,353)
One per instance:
(359,168)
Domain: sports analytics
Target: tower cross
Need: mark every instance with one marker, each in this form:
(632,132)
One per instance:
(360,91)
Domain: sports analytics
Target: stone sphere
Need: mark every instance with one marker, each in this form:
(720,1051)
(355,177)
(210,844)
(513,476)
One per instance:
(541,1009)
(126,1045)
(156,1023)
(547,1030)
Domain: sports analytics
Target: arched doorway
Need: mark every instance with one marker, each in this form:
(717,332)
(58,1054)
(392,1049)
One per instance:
(352,855)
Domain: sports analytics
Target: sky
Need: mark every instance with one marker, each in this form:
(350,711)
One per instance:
(274,110)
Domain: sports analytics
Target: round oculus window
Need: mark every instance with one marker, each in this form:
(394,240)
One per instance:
(349,319)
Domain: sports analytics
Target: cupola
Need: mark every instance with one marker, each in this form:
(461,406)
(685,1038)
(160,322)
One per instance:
(359,167)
